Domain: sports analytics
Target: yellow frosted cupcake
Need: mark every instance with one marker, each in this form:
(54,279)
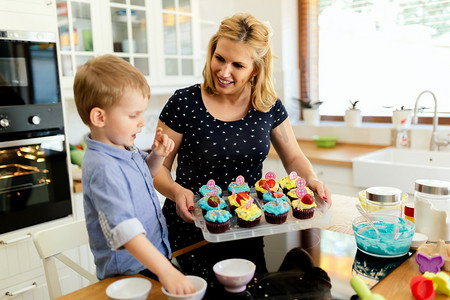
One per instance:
(248,215)
(304,208)
(289,182)
(237,200)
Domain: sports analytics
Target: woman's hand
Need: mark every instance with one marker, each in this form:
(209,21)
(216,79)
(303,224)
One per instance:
(321,190)
(184,200)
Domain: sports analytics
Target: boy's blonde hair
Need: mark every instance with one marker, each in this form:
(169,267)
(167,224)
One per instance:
(246,29)
(102,81)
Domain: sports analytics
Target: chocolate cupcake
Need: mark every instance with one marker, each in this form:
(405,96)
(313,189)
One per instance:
(268,182)
(276,212)
(304,208)
(210,203)
(248,215)
(236,200)
(217,221)
(274,196)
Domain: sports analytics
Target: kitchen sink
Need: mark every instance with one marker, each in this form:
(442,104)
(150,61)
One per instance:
(400,168)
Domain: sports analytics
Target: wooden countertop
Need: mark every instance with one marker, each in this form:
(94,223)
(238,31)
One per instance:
(341,155)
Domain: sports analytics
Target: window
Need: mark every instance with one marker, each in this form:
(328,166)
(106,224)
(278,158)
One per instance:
(178,47)
(382,53)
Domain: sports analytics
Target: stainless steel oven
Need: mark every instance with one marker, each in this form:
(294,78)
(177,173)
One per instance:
(34,178)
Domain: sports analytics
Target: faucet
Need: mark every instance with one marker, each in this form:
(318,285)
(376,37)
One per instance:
(435,141)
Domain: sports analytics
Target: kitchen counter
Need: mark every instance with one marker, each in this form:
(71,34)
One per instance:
(340,155)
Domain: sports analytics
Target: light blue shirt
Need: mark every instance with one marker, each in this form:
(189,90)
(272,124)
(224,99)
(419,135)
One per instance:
(120,202)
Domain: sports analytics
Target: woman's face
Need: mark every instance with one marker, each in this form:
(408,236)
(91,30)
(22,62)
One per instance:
(231,66)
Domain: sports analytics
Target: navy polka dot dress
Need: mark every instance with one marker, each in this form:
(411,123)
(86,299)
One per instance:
(214,149)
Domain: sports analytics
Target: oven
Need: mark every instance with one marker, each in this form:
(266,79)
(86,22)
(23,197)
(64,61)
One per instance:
(34,169)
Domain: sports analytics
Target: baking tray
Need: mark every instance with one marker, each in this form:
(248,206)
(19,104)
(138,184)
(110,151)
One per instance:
(321,218)
(16,175)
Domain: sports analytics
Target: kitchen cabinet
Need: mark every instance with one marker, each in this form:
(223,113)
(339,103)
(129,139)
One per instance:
(160,38)
(22,272)
(28,15)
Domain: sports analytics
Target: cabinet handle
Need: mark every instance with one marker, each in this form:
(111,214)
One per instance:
(49,2)
(21,291)
(17,239)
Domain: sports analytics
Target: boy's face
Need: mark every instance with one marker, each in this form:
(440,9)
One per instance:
(124,120)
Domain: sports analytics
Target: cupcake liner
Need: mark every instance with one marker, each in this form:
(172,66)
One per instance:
(215,227)
(275,219)
(303,214)
(247,224)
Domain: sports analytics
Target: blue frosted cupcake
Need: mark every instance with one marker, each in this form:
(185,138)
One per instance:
(210,203)
(239,185)
(276,212)
(210,187)
(273,196)
(217,221)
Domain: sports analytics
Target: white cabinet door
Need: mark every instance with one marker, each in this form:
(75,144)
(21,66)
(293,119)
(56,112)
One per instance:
(28,15)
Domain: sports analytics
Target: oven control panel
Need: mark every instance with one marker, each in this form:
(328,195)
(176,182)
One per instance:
(26,118)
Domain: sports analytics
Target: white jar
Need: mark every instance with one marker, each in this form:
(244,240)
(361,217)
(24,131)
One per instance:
(432,208)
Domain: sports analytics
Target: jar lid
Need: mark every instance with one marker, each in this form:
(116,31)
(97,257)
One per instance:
(409,209)
(432,186)
(384,194)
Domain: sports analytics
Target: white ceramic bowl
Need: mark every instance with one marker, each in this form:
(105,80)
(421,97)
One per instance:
(133,288)
(200,290)
(234,273)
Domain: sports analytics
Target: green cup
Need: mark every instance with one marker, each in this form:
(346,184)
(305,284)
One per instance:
(87,40)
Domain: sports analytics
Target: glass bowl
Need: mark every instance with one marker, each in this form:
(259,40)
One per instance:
(395,235)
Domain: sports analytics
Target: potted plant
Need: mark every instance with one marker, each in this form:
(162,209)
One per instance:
(353,117)
(310,111)
(400,114)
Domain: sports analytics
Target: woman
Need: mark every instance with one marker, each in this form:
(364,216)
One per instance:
(223,128)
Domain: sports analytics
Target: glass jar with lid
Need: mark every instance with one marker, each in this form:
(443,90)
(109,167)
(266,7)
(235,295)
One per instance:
(383,199)
(432,208)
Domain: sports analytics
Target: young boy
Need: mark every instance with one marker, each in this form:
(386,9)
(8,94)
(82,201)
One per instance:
(121,207)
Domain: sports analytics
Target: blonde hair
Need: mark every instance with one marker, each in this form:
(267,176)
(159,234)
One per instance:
(246,29)
(102,81)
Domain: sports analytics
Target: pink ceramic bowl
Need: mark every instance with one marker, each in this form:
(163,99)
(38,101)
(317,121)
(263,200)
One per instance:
(234,273)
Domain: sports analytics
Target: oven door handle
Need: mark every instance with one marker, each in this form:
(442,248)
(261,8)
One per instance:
(39,140)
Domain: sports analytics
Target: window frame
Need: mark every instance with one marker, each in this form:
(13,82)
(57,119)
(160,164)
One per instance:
(308,30)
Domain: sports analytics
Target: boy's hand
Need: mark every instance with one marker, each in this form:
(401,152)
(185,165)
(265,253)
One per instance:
(176,283)
(162,145)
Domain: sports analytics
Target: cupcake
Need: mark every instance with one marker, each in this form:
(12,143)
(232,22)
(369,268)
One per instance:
(304,208)
(289,182)
(248,215)
(262,184)
(217,221)
(292,194)
(276,211)
(209,187)
(236,200)
(273,196)
(211,202)
(239,185)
